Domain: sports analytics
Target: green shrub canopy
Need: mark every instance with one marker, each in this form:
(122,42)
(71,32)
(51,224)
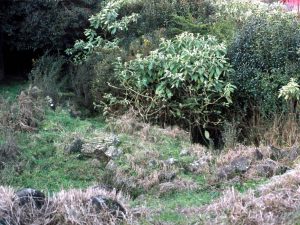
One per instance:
(187,78)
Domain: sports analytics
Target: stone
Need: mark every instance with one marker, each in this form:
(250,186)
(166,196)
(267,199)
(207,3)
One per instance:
(101,202)
(152,163)
(294,153)
(241,164)
(3,222)
(258,155)
(267,168)
(26,195)
(226,172)
(102,147)
(198,166)
(113,152)
(35,92)
(282,169)
(170,161)
(184,152)
(75,146)
(166,176)
(276,153)
(111,165)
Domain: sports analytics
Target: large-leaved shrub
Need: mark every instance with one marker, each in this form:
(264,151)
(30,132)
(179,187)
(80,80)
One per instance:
(185,81)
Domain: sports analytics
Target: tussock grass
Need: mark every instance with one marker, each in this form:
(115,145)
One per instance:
(271,203)
(72,207)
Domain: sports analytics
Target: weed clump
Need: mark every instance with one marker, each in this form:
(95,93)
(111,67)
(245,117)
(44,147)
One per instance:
(272,203)
(66,207)
(25,114)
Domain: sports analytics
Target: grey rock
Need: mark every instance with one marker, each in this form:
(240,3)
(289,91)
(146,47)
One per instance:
(75,146)
(267,168)
(101,202)
(198,166)
(184,152)
(26,195)
(35,92)
(282,169)
(258,155)
(102,147)
(166,176)
(113,152)
(111,165)
(294,153)
(241,164)
(226,172)
(276,153)
(170,161)
(152,163)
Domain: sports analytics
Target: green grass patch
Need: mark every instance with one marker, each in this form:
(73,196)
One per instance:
(10,92)
(43,162)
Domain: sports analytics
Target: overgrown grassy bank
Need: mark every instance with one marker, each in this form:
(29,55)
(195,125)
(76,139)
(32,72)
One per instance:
(44,164)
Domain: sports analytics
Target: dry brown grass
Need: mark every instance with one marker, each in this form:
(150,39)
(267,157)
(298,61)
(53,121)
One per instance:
(129,124)
(9,150)
(283,130)
(270,204)
(24,114)
(144,170)
(177,185)
(72,207)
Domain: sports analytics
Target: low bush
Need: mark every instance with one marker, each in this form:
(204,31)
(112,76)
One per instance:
(25,114)
(264,58)
(185,81)
(48,75)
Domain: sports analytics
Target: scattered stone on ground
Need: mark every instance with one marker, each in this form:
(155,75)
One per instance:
(241,164)
(267,168)
(102,146)
(294,153)
(166,176)
(199,166)
(103,203)
(276,153)
(170,161)
(111,165)
(113,152)
(26,195)
(75,146)
(226,172)
(184,152)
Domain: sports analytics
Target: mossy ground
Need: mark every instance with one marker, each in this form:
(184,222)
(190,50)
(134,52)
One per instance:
(44,165)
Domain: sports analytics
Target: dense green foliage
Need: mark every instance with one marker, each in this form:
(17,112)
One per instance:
(43,25)
(185,80)
(265,58)
(226,71)
(132,55)
(108,23)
